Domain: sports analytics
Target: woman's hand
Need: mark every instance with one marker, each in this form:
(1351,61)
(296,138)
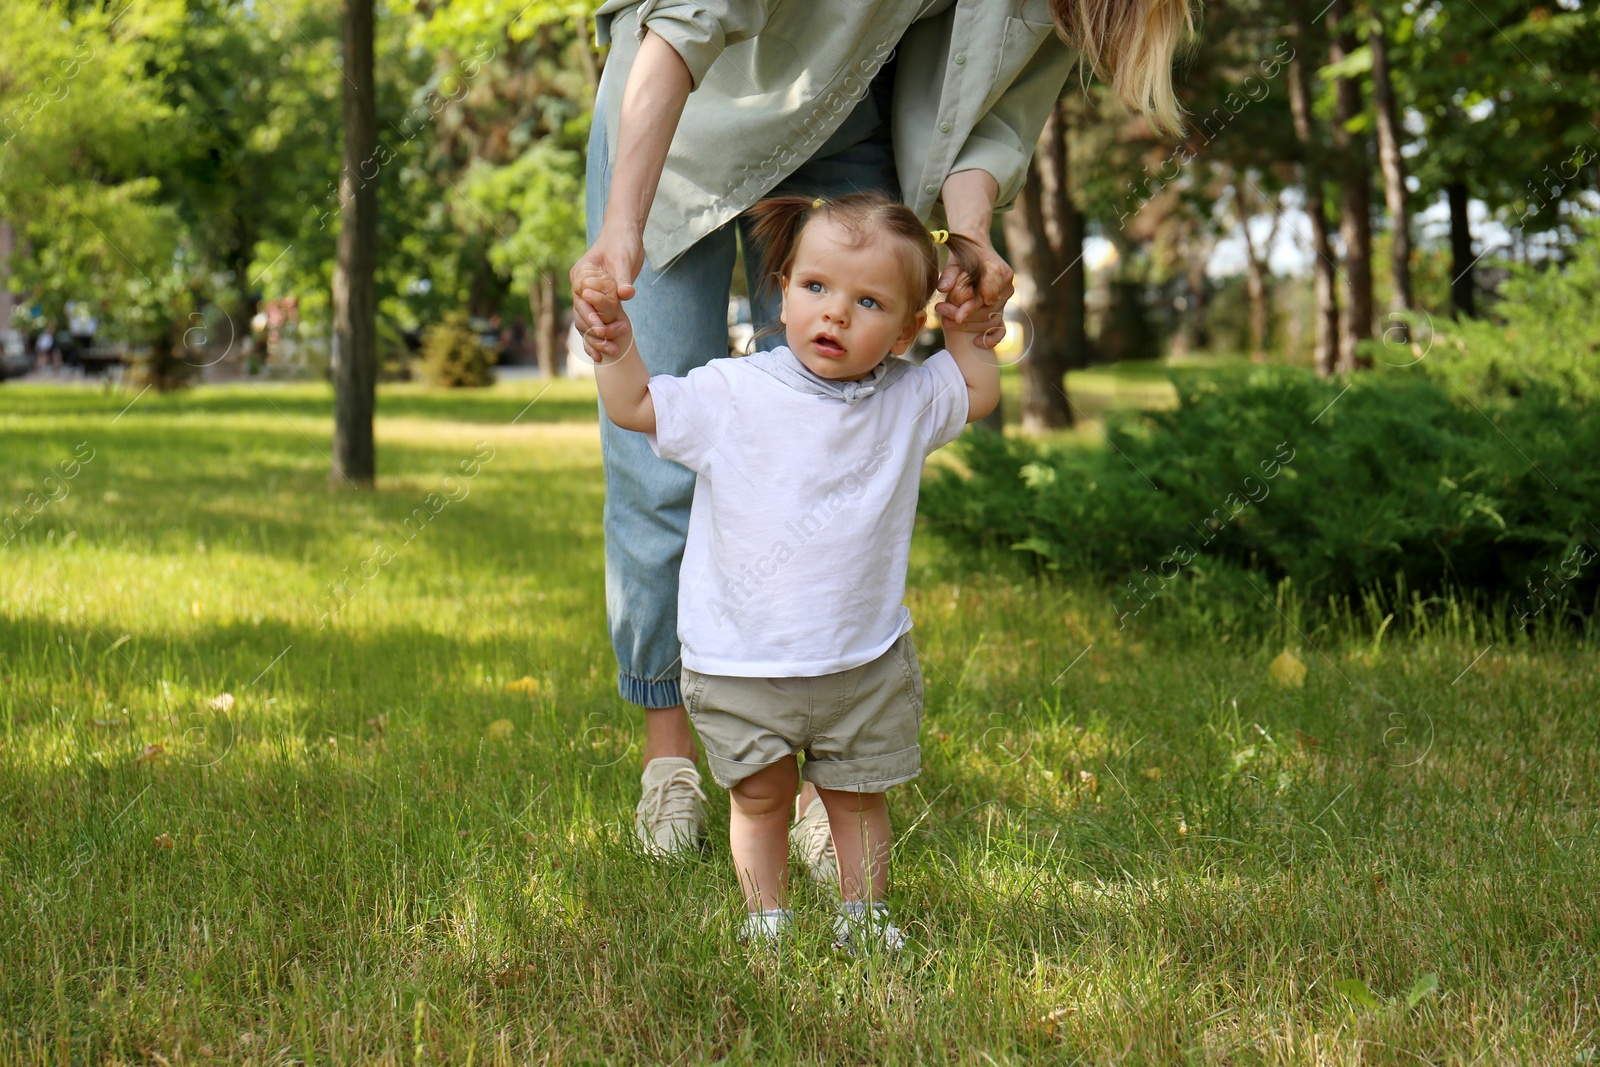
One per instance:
(976,325)
(652,102)
(981,313)
(969,197)
(617,256)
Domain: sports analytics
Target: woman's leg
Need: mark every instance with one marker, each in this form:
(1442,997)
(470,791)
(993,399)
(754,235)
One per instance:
(680,321)
(758,831)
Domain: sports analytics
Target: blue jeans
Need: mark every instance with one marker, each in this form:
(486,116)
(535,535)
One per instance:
(680,320)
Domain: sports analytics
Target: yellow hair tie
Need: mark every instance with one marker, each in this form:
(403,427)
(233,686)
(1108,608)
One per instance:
(939,236)
(816,203)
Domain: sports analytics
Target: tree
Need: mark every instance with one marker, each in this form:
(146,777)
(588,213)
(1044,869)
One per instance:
(80,120)
(1324,266)
(1044,242)
(355,352)
(1248,204)
(511,151)
(1504,96)
(1392,166)
(1355,190)
(534,206)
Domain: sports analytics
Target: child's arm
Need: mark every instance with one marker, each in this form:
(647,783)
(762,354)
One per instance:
(980,367)
(619,370)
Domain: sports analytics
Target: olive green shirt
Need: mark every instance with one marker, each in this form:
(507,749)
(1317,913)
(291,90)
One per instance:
(974,83)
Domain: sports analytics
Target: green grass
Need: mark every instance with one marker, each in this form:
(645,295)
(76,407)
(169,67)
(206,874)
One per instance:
(1094,391)
(1125,847)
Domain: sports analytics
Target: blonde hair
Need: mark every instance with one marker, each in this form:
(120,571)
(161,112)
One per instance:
(779,221)
(1130,43)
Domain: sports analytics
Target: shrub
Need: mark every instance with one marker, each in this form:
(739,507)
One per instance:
(394,358)
(169,364)
(1543,337)
(1255,477)
(452,356)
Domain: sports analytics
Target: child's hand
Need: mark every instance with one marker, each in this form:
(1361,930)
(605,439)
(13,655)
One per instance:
(600,289)
(985,324)
(608,333)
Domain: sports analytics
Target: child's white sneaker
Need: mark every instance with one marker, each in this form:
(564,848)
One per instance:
(812,839)
(861,928)
(671,818)
(762,928)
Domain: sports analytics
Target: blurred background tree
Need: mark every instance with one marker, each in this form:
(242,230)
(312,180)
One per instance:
(1345,177)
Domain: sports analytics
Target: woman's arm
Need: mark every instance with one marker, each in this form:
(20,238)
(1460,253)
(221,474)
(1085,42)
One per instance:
(652,102)
(969,197)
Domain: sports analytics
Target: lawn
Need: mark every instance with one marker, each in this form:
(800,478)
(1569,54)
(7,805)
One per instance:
(298,776)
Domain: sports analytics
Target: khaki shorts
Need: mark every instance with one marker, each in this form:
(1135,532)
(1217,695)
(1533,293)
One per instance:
(858,728)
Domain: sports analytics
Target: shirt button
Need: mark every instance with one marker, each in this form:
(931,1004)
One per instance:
(944,127)
(961,57)
(930,190)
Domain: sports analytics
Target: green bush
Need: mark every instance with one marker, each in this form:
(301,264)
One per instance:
(452,356)
(1255,478)
(1542,337)
(394,359)
(171,363)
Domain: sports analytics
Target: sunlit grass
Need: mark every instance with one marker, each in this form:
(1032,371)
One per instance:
(407,838)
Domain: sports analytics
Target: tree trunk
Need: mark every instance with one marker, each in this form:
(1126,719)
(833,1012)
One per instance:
(1072,280)
(1256,292)
(1039,240)
(1397,198)
(8,245)
(1355,197)
(1257,265)
(1327,297)
(244,308)
(1462,290)
(355,354)
(542,299)
(485,287)
(1196,256)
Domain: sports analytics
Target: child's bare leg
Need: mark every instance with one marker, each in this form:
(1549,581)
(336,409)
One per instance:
(860,824)
(759,834)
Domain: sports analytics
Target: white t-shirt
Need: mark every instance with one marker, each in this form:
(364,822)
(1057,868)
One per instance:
(800,529)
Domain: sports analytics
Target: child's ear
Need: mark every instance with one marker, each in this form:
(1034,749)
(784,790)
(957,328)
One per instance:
(783,299)
(908,335)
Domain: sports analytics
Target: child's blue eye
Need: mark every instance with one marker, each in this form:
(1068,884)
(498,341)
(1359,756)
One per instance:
(868,302)
(813,287)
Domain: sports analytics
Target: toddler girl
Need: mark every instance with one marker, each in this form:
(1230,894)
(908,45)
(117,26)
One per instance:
(808,458)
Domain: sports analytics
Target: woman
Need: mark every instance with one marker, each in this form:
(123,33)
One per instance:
(705,106)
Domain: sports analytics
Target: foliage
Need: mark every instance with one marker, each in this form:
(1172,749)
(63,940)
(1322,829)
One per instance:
(1544,336)
(80,112)
(534,206)
(452,355)
(1272,474)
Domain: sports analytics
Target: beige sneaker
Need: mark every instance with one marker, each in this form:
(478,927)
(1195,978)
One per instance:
(812,840)
(671,817)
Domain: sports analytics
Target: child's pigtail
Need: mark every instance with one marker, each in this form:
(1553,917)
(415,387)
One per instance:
(778,220)
(965,252)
